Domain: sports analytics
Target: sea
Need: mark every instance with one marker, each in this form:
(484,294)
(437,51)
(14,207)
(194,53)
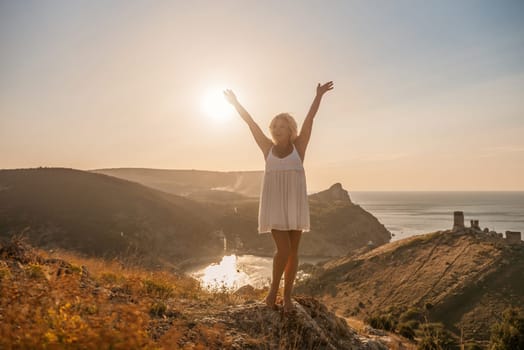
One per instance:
(403,213)
(409,213)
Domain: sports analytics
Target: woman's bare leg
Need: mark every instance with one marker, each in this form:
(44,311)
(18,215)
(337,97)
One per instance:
(283,245)
(291,267)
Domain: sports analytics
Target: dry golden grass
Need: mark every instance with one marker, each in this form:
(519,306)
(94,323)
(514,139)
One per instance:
(46,303)
(61,300)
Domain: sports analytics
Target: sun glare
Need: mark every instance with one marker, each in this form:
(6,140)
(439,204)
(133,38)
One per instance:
(215,106)
(226,274)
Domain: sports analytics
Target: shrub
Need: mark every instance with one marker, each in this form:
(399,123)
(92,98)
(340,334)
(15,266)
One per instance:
(386,322)
(406,330)
(158,289)
(413,324)
(35,271)
(4,273)
(76,269)
(158,309)
(508,333)
(412,313)
(108,277)
(433,336)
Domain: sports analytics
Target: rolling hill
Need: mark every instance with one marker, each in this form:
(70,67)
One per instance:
(462,279)
(103,216)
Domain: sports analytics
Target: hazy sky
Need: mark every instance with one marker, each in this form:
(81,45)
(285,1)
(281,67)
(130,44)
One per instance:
(428,95)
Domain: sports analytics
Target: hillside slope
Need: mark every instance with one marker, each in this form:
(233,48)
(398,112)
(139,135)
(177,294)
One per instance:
(463,280)
(103,215)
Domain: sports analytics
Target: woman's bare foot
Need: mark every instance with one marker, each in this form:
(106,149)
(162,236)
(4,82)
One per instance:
(271,299)
(288,306)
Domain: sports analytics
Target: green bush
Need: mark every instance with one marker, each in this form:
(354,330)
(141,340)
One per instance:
(433,336)
(413,324)
(158,289)
(35,271)
(4,273)
(508,334)
(158,309)
(386,322)
(412,313)
(108,277)
(405,330)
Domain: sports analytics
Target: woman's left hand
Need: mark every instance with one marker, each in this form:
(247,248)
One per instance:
(322,89)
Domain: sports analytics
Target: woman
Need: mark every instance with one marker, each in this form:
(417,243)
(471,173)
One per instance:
(283,208)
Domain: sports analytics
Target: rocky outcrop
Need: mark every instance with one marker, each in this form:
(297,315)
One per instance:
(310,326)
(334,194)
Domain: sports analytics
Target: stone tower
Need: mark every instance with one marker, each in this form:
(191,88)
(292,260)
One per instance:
(458,221)
(513,237)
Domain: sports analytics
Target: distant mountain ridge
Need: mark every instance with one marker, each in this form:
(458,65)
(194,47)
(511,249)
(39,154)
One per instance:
(184,182)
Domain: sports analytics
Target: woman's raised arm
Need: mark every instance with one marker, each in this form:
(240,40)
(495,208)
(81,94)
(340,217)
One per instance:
(261,139)
(305,132)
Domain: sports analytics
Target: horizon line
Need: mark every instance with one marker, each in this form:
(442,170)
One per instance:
(309,192)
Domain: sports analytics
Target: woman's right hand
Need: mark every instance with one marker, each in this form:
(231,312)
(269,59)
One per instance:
(230,96)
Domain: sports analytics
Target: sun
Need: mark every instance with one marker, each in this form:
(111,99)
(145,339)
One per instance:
(215,106)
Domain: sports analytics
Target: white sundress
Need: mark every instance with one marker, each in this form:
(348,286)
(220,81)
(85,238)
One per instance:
(283,197)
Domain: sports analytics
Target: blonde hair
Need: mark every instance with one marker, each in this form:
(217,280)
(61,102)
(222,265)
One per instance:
(292,124)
